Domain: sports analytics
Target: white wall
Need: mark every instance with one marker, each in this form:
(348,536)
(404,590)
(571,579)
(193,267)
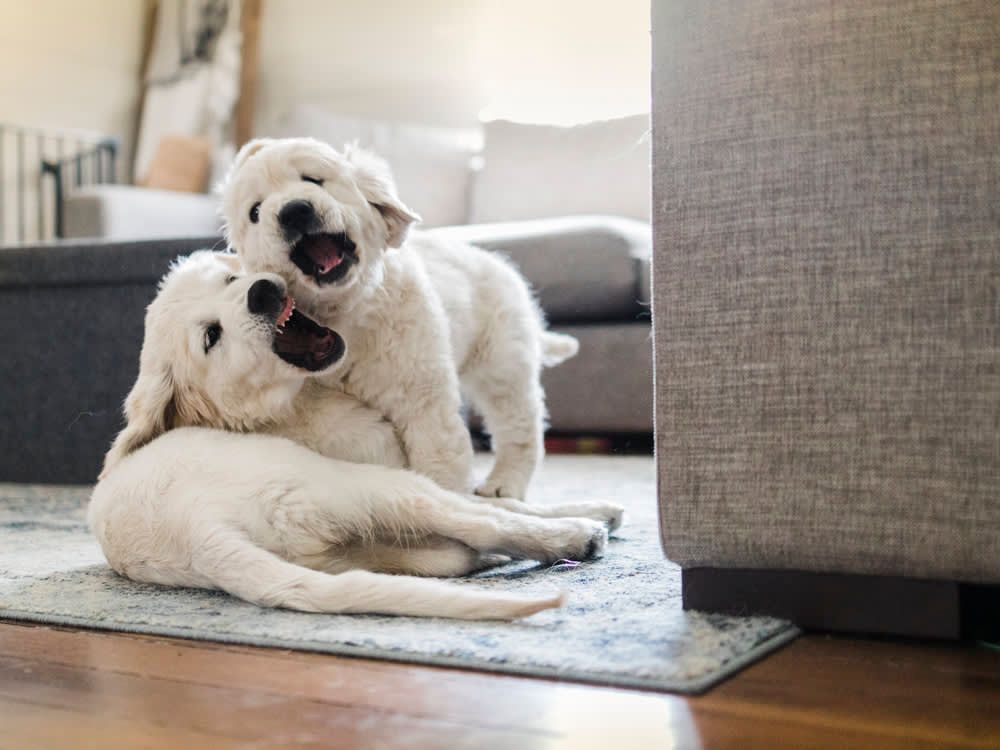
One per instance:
(72,63)
(450,61)
(69,64)
(564,61)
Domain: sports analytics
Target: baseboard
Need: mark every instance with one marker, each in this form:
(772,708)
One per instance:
(882,605)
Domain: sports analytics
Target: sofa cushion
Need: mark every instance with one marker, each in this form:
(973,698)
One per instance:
(431,165)
(608,385)
(535,171)
(120,212)
(583,268)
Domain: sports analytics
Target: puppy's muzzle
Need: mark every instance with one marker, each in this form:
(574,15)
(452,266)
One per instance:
(298,218)
(297,339)
(265,297)
(323,256)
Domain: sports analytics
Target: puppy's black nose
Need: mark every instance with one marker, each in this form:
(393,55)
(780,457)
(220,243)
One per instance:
(298,216)
(265,297)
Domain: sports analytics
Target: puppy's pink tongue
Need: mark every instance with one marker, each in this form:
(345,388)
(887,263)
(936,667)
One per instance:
(330,262)
(324,252)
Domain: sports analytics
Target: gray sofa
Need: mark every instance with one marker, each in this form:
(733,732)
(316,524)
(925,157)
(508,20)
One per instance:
(74,314)
(827,323)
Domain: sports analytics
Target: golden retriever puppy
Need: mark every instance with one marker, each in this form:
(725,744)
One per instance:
(423,316)
(279,517)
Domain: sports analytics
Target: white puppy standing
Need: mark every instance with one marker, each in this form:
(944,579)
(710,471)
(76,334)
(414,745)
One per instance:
(421,316)
(263,517)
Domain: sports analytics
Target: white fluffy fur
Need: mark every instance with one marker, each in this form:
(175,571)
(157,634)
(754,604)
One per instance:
(422,316)
(184,500)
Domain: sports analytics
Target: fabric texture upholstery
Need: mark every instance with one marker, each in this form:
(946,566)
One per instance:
(608,385)
(827,256)
(74,350)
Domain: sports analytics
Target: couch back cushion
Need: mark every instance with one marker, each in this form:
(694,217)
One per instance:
(432,165)
(536,171)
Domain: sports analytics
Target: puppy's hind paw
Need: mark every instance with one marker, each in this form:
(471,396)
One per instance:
(488,489)
(612,515)
(487,561)
(500,488)
(587,540)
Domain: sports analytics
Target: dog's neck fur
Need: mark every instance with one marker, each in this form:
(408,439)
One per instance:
(197,410)
(326,420)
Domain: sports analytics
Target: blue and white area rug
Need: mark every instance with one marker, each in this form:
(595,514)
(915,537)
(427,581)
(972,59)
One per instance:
(623,623)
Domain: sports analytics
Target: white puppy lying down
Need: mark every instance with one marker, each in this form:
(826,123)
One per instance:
(420,316)
(268,520)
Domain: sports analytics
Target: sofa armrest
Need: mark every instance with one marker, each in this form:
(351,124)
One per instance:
(128,212)
(75,333)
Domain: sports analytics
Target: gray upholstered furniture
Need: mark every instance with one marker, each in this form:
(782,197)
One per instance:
(72,329)
(120,212)
(827,320)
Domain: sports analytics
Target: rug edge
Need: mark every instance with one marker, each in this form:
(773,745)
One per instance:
(694,686)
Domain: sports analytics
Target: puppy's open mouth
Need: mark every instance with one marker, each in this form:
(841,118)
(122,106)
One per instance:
(303,342)
(324,257)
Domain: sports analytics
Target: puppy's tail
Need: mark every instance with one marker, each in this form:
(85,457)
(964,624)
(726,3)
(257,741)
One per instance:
(237,566)
(557,348)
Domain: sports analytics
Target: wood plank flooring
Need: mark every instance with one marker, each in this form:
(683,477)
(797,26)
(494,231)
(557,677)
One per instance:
(82,689)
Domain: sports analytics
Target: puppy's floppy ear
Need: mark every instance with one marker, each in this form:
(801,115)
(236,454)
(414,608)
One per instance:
(374,180)
(231,261)
(247,150)
(150,410)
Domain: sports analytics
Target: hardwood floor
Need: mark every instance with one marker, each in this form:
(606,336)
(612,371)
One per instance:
(81,689)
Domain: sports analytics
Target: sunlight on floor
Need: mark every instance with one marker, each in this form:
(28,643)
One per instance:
(598,721)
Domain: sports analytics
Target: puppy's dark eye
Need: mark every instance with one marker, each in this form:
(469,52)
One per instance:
(255,213)
(212,335)
(230,280)
(313,180)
